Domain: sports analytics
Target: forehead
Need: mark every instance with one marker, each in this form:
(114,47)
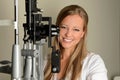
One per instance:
(73,20)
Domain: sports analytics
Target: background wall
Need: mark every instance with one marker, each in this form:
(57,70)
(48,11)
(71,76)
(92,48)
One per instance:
(103,29)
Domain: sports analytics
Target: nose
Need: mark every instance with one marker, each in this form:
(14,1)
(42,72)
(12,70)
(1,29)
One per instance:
(68,32)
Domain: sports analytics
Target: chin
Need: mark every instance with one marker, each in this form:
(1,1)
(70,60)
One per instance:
(67,46)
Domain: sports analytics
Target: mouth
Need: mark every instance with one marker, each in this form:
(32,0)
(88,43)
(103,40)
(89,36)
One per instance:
(67,40)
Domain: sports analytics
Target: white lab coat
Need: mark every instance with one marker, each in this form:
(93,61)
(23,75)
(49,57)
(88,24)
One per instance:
(93,69)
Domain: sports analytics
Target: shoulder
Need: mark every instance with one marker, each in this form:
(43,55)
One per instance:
(93,61)
(93,58)
(92,55)
(94,66)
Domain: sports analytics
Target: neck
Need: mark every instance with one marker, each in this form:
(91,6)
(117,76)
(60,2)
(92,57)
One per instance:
(66,53)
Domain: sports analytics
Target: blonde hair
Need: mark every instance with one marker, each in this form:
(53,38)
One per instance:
(80,52)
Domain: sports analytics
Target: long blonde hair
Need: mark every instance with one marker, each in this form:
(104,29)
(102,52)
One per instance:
(80,52)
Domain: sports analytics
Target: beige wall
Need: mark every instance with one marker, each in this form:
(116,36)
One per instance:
(103,30)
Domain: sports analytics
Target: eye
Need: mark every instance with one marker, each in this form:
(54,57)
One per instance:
(63,27)
(76,30)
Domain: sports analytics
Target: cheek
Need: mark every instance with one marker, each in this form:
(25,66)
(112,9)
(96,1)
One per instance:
(60,38)
(61,34)
(82,34)
(78,36)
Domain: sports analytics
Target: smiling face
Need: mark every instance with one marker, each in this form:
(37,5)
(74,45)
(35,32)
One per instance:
(71,31)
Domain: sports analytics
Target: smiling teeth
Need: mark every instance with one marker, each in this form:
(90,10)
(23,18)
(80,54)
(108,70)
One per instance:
(68,40)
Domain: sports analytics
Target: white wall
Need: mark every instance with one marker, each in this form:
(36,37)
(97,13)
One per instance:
(103,30)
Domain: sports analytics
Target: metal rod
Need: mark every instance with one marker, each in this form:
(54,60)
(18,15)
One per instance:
(16,54)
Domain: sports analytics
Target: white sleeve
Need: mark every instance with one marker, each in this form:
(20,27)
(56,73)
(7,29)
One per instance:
(96,69)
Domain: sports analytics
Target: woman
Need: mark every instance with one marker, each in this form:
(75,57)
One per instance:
(76,62)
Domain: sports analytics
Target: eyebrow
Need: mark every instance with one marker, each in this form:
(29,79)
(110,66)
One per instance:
(63,25)
(78,27)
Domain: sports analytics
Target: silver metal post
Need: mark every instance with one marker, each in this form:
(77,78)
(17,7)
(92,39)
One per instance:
(40,61)
(28,65)
(16,54)
(34,69)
